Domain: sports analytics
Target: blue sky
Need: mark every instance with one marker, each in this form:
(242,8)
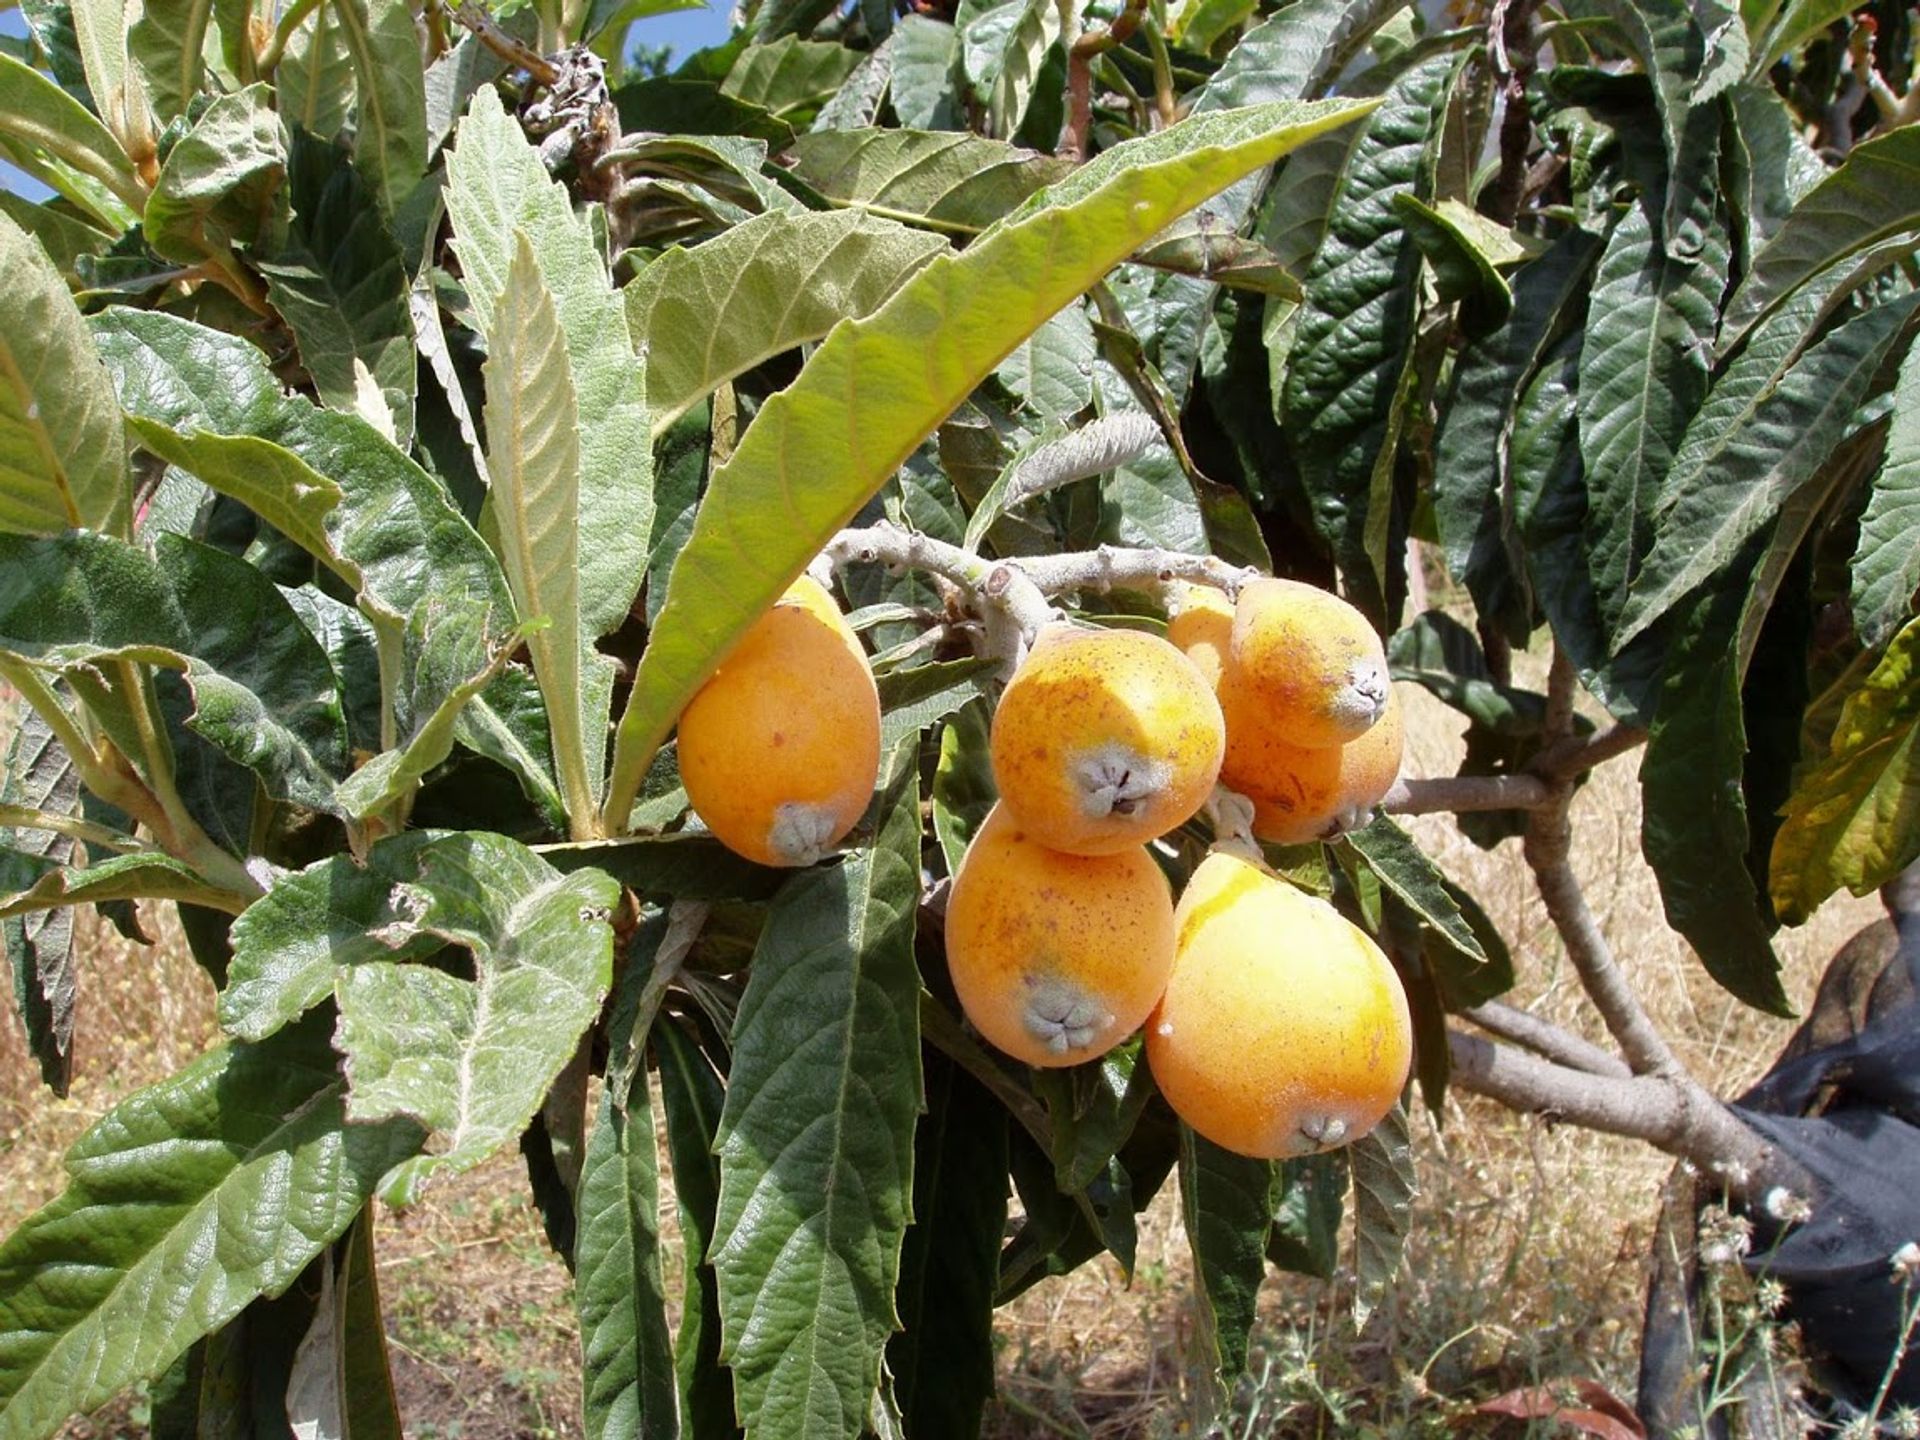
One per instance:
(681,30)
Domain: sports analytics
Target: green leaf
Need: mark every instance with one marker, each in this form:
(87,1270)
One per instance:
(449,660)
(691,1096)
(684,866)
(38,775)
(168,44)
(1687,66)
(629,1386)
(497,185)
(922,91)
(816,1140)
(472,1059)
(1404,869)
(222,185)
(1226,1203)
(507,723)
(912,700)
(949,179)
(942,1357)
(1051,371)
(1355,332)
(1384,1184)
(63,453)
(1475,498)
(1766,429)
(290,946)
(963,789)
(756,531)
(186,1202)
(314,80)
(790,77)
(1003,52)
(1306,1222)
(1460,245)
(1798,22)
(338,281)
(390,111)
(1643,374)
(1854,817)
(1288,55)
(263,692)
(39,116)
(1874,196)
(705,315)
(393,533)
(1694,829)
(1886,562)
(1773,168)
(533,461)
(64,237)
(340,1380)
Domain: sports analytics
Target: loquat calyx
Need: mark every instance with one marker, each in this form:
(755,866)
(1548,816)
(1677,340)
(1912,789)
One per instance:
(780,749)
(1056,958)
(1105,739)
(1313,662)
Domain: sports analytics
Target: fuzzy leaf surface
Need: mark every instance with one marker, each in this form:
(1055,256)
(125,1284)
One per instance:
(38,115)
(497,185)
(186,1202)
(1384,1183)
(1873,196)
(816,1139)
(222,183)
(63,453)
(1886,562)
(390,106)
(1769,424)
(950,178)
(773,282)
(757,528)
(472,1060)
(533,462)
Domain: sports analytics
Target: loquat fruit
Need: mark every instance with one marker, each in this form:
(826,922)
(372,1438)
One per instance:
(1284,1030)
(1313,660)
(1202,629)
(780,749)
(1302,793)
(1056,958)
(1105,739)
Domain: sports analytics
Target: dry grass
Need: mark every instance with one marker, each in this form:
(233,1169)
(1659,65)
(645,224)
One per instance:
(1525,1262)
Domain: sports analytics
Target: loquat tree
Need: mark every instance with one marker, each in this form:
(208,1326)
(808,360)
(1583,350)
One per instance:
(410,414)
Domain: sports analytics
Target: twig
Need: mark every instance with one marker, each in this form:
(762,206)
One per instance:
(1461,794)
(1547,845)
(476,19)
(1080,57)
(1573,754)
(1672,1114)
(1563,1047)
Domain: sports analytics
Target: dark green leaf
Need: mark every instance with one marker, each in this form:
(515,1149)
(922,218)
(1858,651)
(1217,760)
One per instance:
(390,111)
(1226,1202)
(816,1140)
(1643,374)
(1306,1222)
(942,1357)
(473,1059)
(1383,1190)
(924,695)
(337,279)
(1694,827)
(692,1097)
(38,775)
(1886,562)
(963,788)
(186,1202)
(1404,869)
(1356,331)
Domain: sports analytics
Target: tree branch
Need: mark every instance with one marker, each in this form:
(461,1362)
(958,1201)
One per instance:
(1672,1113)
(1459,794)
(1563,1047)
(1547,845)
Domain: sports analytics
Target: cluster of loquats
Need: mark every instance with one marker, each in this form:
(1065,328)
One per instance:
(1274,1025)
